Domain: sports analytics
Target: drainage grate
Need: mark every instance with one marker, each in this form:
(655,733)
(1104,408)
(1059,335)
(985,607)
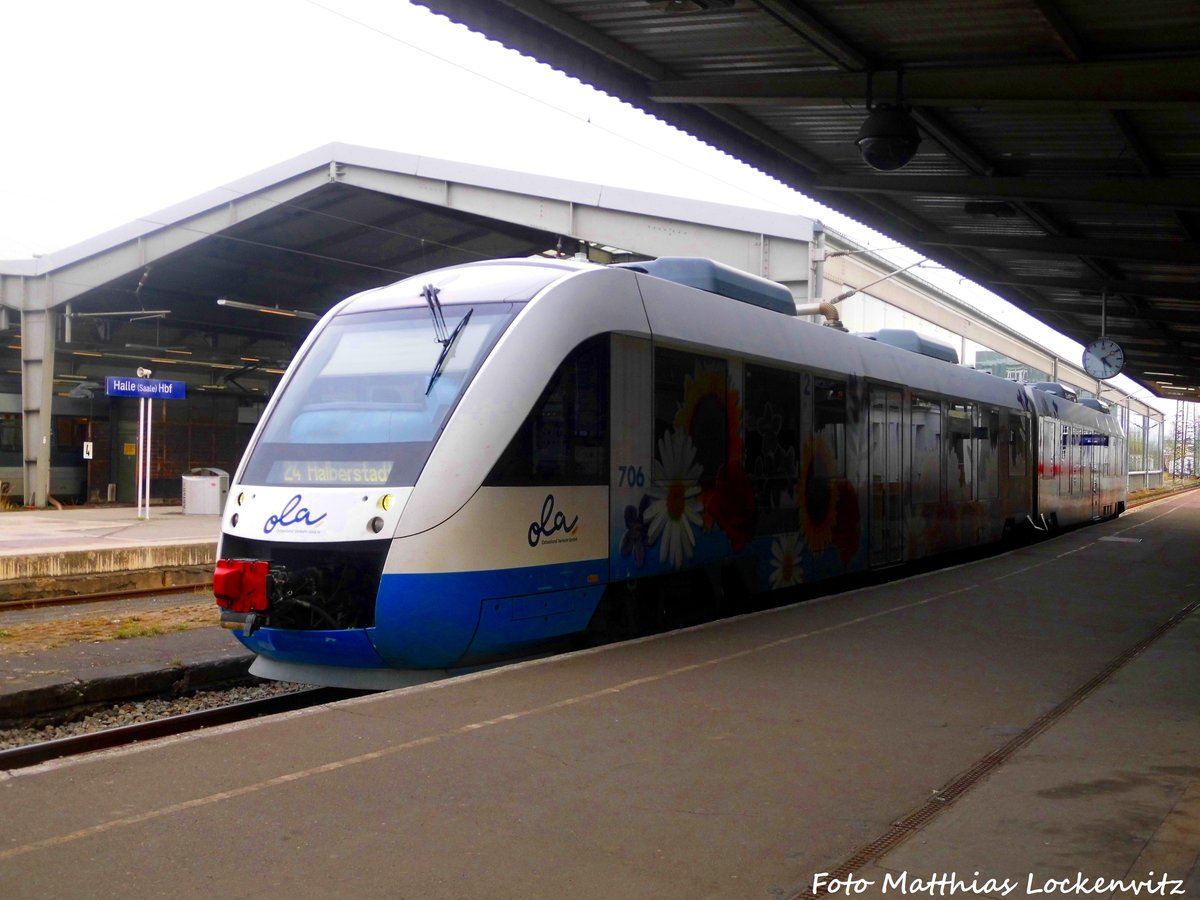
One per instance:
(931,808)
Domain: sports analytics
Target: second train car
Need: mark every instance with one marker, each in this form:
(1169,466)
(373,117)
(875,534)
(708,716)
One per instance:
(482,460)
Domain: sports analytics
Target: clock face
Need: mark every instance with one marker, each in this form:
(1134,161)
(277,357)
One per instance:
(1103,358)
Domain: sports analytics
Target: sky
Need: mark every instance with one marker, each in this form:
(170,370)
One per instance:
(116,110)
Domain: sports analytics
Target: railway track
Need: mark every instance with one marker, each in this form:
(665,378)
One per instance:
(102,596)
(124,735)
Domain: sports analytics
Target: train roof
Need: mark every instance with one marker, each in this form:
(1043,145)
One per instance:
(487,281)
(914,342)
(1075,412)
(712,307)
(717,278)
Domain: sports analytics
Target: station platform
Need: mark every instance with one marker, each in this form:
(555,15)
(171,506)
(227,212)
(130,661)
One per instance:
(104,545)
(89,550)
(1025,725)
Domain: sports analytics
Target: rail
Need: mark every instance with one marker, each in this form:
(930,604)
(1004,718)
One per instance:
(34,754)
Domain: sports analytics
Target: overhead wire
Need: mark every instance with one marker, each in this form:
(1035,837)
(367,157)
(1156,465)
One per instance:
(587,120)
(421,239)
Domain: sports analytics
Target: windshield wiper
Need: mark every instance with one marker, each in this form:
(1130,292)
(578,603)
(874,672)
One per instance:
(430,293)
(446,345)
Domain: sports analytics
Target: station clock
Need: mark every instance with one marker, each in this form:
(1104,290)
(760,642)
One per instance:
(1103,358)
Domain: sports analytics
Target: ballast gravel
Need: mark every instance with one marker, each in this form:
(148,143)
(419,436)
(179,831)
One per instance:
(131,712)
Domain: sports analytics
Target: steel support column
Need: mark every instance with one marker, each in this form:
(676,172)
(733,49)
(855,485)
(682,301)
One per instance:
(37,391)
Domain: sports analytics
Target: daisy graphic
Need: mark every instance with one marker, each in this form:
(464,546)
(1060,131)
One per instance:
(785,561)
(674,509)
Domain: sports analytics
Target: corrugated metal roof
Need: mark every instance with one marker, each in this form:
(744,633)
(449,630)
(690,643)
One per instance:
(311,230)
(1060,154)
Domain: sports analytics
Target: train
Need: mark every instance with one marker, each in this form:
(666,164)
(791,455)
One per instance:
(487,460)
(68,472)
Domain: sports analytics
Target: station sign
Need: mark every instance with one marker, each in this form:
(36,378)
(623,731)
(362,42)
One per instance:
(150,388)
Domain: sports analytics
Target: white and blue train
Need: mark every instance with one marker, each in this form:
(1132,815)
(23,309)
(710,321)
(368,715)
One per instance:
(484,460)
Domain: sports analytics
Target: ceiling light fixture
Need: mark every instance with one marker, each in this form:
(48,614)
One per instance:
(140,313)
(271,310)
(156,349)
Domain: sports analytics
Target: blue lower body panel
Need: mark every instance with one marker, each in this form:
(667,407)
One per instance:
(442,620)
(516,623)
(350,648)
(439,620)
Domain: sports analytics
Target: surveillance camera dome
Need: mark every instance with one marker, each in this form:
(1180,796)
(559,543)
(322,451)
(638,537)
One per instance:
(888,138)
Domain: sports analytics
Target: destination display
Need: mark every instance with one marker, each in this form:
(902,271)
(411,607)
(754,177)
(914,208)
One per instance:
(311,471)
(1085,440)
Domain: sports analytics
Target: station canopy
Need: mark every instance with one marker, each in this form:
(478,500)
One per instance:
(1058,161)
(220,290)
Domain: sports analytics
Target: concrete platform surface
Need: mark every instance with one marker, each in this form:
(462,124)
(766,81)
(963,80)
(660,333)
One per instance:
(37,531)
(1054,686)
(91,541)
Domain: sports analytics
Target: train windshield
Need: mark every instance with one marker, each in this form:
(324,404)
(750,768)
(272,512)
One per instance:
(371,395)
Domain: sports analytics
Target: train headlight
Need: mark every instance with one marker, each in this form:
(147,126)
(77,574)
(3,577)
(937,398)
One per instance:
(241,498)
(386,501)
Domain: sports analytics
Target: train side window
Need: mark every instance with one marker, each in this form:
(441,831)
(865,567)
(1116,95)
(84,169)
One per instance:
(960,451)
(69,433)
(1068,457)
(10,434)
(926,424)
(1048,463)
(829,421)
(690,415)
(1076,460)
(773,445)
(1018,439)
(564,439)
(987,455)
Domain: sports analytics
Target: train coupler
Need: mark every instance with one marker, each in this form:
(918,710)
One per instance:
(247,623)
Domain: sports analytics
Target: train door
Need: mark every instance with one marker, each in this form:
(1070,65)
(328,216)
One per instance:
(885,466)
(1091,459)
(631,457)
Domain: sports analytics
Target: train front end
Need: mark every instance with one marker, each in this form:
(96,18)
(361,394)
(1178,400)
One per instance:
(320,493)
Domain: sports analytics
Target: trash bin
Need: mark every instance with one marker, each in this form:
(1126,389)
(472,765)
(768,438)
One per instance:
(204,491)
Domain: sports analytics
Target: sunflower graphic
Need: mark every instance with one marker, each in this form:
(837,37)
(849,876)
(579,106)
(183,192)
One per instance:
(785,561)
(818,495)
(711,415)
(674,510)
